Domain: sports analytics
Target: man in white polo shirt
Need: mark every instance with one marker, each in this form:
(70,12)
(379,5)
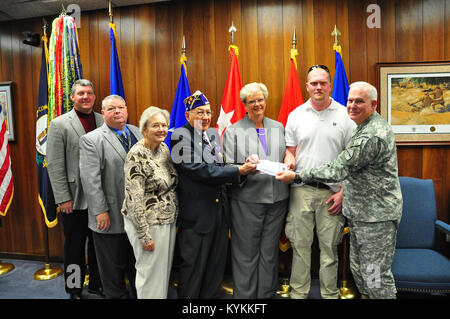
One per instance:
(316,132)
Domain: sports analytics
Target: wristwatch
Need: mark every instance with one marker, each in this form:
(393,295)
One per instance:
(297,179)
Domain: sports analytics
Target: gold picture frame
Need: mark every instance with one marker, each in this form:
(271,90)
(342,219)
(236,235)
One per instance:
(414,98)
(6,101)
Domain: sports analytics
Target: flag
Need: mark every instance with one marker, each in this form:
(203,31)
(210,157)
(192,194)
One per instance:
(45,196)
(177,117)
(340,83)
(293,92)
(231,109)
(115,76)
(6,178)
(64,65)
(291,99)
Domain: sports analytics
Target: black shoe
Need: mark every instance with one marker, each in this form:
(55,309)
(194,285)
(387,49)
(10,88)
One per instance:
(76,295)
(97,291)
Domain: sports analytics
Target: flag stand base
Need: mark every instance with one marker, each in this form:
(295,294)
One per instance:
(227,287)
(5,268)
(48,272)
(285,288)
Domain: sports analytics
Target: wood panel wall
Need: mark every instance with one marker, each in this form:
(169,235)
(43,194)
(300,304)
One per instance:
(149,44)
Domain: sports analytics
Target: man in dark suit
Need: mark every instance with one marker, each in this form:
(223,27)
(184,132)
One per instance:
(204,215)
(63,170)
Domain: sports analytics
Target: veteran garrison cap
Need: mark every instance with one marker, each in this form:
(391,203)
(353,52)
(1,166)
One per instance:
(195,100)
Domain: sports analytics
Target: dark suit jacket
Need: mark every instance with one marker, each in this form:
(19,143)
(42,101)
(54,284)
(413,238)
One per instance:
(201,188)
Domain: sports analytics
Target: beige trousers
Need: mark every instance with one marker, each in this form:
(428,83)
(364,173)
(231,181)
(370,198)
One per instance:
(307,209)
(153,267)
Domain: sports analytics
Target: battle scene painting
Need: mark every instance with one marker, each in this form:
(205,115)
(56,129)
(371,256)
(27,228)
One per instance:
(422,99)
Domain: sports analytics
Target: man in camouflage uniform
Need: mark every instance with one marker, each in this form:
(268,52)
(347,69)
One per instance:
(372,199)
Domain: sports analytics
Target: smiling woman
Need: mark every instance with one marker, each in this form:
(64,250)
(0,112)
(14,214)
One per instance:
(151,205)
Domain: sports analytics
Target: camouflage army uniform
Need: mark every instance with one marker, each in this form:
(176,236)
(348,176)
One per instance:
(372,202)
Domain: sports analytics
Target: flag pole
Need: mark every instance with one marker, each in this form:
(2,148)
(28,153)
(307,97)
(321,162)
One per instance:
(227,285)
(49,271)
(336,33)
(346,291)
(111,19)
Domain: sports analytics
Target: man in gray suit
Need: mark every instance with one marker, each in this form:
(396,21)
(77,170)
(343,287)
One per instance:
(102,157)
(63,170)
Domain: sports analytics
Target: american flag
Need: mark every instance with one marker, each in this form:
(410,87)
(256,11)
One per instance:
(6,178)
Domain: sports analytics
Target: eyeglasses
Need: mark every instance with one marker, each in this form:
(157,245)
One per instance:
(253,102)
(203,114)
(319,66)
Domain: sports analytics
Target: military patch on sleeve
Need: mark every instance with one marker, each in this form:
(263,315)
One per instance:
(349,152)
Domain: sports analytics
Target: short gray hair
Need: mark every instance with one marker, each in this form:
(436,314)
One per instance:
(112,97)
(82,82)
(149,113)
(252,88)
(370,90)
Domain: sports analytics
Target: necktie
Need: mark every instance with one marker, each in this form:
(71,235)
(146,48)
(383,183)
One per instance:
(125,139)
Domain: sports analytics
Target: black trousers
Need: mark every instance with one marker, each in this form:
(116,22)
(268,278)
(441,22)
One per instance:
(76,232)
(116,261)
(203,260)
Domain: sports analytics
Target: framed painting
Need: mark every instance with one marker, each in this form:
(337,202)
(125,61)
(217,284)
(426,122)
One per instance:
(414,98)
(6,104)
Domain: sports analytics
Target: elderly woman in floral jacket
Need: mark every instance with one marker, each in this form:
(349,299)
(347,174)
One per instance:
(150,207)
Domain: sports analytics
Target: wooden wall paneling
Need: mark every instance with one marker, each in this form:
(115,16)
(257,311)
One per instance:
(408,30)
(83,41)
(146,86)
(222,17)
(309,43)
(342,25)
(371,48)
(165,60)
(209,60)
(92,72)
(128,59)
(433,167)
(358,42)
(386,34)
(292,18)
(104,49)
(433,30)
(409,161)
(192,27)
(19,210)
(270,28)
(249,53)
(447,29)
(176,23)
(324,20)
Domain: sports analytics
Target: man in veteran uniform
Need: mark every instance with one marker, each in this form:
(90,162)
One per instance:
(372,199)
(203,219)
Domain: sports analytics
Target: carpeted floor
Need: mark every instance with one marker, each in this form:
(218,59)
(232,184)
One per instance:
(20,284)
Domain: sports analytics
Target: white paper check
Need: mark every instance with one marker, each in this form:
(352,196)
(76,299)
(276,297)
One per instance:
(270,168)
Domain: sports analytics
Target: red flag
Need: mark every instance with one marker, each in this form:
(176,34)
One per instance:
(231,109)
(291,99)
(6,178)
(293,93)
